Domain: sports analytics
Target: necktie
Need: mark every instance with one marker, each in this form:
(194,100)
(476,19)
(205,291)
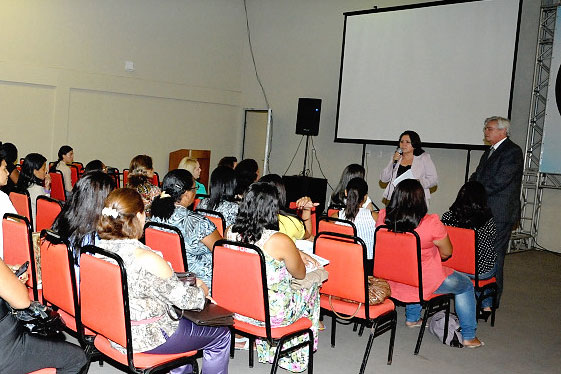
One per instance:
(491,150)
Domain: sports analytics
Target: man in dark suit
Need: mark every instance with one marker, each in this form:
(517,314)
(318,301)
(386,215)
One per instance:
(500,172)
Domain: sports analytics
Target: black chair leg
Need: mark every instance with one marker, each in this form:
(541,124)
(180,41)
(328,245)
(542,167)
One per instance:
(355,326)
(368,347)
(361,330)
(333,328)
(446,322)
(422,331)
(251,343)
(392,337)
(232,343)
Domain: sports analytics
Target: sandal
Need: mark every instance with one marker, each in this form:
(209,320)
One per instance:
(412,325)
(474,343)
(242,344)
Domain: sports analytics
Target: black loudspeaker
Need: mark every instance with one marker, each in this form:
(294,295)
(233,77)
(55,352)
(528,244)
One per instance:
(307,120)
(298,186)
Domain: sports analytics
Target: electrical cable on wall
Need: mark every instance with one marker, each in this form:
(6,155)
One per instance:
(293,157)
(319,165)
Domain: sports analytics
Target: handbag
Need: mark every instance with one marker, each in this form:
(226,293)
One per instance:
(378,291)
(211,315)
(40,320)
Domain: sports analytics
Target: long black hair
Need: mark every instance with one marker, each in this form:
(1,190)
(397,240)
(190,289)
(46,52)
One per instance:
(174,185)
(350,172)
(9,153)
(32,162)
(259,210)
(80,214)
(276,180)
(357,188)
(407,206)
(415,142)
(470,207)
(222,186)
(246,173)
(61,152)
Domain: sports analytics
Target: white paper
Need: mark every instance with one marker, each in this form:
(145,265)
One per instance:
(407,175)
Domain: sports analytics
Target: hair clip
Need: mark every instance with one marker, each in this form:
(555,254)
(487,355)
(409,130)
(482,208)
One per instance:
(164,195)
(110,212)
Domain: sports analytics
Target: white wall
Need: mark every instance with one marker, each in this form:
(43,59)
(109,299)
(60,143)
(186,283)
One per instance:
(62,77)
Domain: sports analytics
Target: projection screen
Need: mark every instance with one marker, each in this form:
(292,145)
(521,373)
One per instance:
(436,68)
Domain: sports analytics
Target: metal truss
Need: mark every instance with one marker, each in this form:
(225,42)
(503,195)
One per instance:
(534,182)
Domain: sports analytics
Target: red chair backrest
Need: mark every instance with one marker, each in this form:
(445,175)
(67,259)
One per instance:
(57,186)
(395,256)
(216,218)
(156,179)
(22,204)
(18,247)
(238,279)
(170,243)
(74,174)
(125,177)
(80,167)
(463,254)
(57,276)
(47,211)
(101,298)
(341,226)
(292,205)
(196,203)
(346,256)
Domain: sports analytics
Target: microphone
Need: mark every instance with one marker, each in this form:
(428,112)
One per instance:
(398,150)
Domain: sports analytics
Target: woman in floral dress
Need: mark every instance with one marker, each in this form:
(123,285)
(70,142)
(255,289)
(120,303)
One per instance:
(257,223)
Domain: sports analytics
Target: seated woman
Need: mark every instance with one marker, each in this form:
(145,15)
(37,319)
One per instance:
(178,192)
(140,177)
(65,158)
(407,210)
(289,224)
(94,165)
(470,211)
(247,172)
(192,166)
(9,153)
(221,200)
(338,196)
(76,222)
(154,287)
(6,205)
(22,353)
(34,179)
(257,223)
(229,161)
(356,194)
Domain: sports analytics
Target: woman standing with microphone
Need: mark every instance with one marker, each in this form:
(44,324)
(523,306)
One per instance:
(410,156)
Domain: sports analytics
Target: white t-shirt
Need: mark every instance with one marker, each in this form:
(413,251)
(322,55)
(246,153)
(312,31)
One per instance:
(6,206)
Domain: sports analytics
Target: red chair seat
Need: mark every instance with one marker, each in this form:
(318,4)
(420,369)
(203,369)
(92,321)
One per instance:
(484,282)
(276,332)
(141,360)
(348,308)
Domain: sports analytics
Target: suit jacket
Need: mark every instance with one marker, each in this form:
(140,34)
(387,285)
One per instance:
(501,175)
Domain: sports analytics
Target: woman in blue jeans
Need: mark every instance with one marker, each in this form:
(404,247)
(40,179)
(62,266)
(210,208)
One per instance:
(407,210)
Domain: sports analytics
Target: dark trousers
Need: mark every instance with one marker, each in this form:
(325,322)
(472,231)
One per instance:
(504,230)
(22,353)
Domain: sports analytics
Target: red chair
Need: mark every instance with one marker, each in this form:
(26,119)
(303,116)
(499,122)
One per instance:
(45,371)
(245,293)
(115,175)
(74,174)
(292,205)
(216,218)
(349,281)
(80,167)
(198,198)
(465,259)
(334,209)
(107,313)
(156,179)
(18,247)
(397,257)
(125,177)
(57,186)
(168,240)
(22,203)
(331,224)
(47,211)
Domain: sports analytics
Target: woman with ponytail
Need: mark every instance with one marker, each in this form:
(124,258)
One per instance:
(65,158)
(170,207)
(356,194)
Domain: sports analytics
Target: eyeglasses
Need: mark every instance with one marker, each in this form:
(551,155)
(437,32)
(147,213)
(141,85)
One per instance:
(192,188)
(486,128)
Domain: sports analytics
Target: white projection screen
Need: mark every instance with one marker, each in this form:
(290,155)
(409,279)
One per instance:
(436,68)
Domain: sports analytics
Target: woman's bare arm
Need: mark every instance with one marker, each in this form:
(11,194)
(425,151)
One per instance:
(444,247)
(282,248)
(11,289)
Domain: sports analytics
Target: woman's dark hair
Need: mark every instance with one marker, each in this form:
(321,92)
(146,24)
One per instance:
(415,142)
(80,214)
(94,165)
(407,206)
(350,172)
(276,180)
(61,152)
(32,162)
(9,153)
(357,188)
(174,185)
(470,206)
(222,186)
(246,174)
(138,170)
(259,210)
(125,203)
(228,161)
